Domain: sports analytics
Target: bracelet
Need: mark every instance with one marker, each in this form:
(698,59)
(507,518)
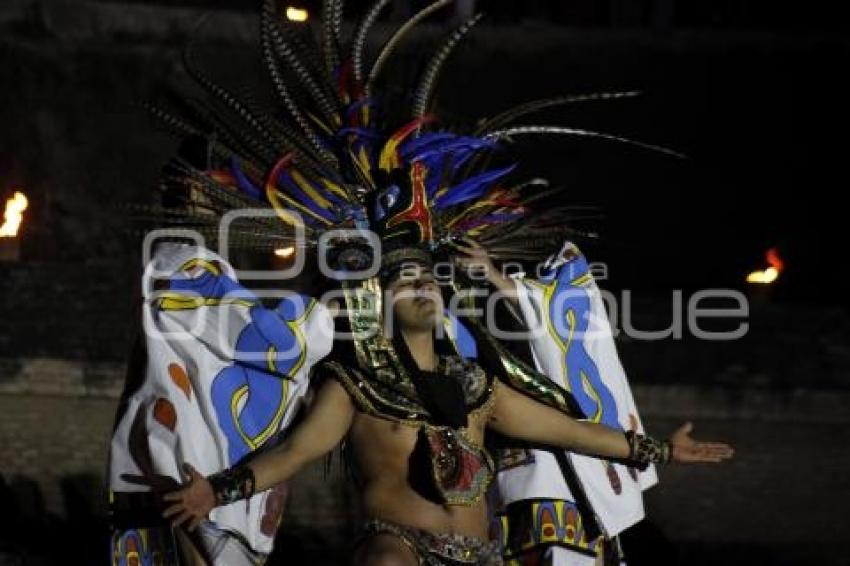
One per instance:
(232,484)
(645,450)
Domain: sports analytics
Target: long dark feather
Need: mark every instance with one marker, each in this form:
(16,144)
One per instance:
(425,88)
(360,36)
(331,24)
(268,34)
(524,109)
(284,50)
(397,37)
(507,133)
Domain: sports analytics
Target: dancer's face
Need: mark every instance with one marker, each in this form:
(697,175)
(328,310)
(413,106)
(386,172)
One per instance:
(417,303)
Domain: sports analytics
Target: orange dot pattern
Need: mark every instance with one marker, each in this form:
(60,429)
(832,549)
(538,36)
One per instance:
(180,379)
(164,413)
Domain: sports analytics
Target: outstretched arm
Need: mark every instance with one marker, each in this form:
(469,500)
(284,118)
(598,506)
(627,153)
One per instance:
(325,426)
(520,417)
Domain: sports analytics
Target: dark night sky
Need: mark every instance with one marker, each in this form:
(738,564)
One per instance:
(762,123)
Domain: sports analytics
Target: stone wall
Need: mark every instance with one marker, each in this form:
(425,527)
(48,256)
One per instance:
(56,417)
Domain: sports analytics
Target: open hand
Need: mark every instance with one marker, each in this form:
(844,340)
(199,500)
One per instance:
(685,449)
(473,256)
(192,503)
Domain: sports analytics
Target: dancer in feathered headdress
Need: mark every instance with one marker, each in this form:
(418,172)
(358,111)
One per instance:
(383,192)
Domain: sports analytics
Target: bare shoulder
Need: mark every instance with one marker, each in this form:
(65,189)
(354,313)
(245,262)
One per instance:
(331,395)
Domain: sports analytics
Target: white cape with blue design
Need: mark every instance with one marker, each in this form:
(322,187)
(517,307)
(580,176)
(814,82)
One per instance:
(573,345)
(224,376)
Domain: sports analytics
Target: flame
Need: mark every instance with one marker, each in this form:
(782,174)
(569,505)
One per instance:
(14,215)
(294,14)
(286,252)
(774,260)
(771,274)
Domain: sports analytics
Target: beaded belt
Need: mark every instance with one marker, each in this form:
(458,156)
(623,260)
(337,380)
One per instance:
(440,549)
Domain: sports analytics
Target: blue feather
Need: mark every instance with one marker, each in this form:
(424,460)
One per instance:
(472,188)
(242,180)
(295,191)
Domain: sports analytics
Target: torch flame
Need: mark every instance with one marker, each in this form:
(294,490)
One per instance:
(294,14)
(774,260)
(771,274)
(13,215)
(285,252)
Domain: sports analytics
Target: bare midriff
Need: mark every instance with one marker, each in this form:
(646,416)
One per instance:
(382,449)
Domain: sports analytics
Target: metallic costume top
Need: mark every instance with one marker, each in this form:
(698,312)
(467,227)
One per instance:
(459,469)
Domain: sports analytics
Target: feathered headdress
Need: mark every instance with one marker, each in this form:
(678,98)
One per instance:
(335,151)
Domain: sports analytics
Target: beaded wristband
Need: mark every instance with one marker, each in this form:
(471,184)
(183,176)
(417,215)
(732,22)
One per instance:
(645,450)
(232,484)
